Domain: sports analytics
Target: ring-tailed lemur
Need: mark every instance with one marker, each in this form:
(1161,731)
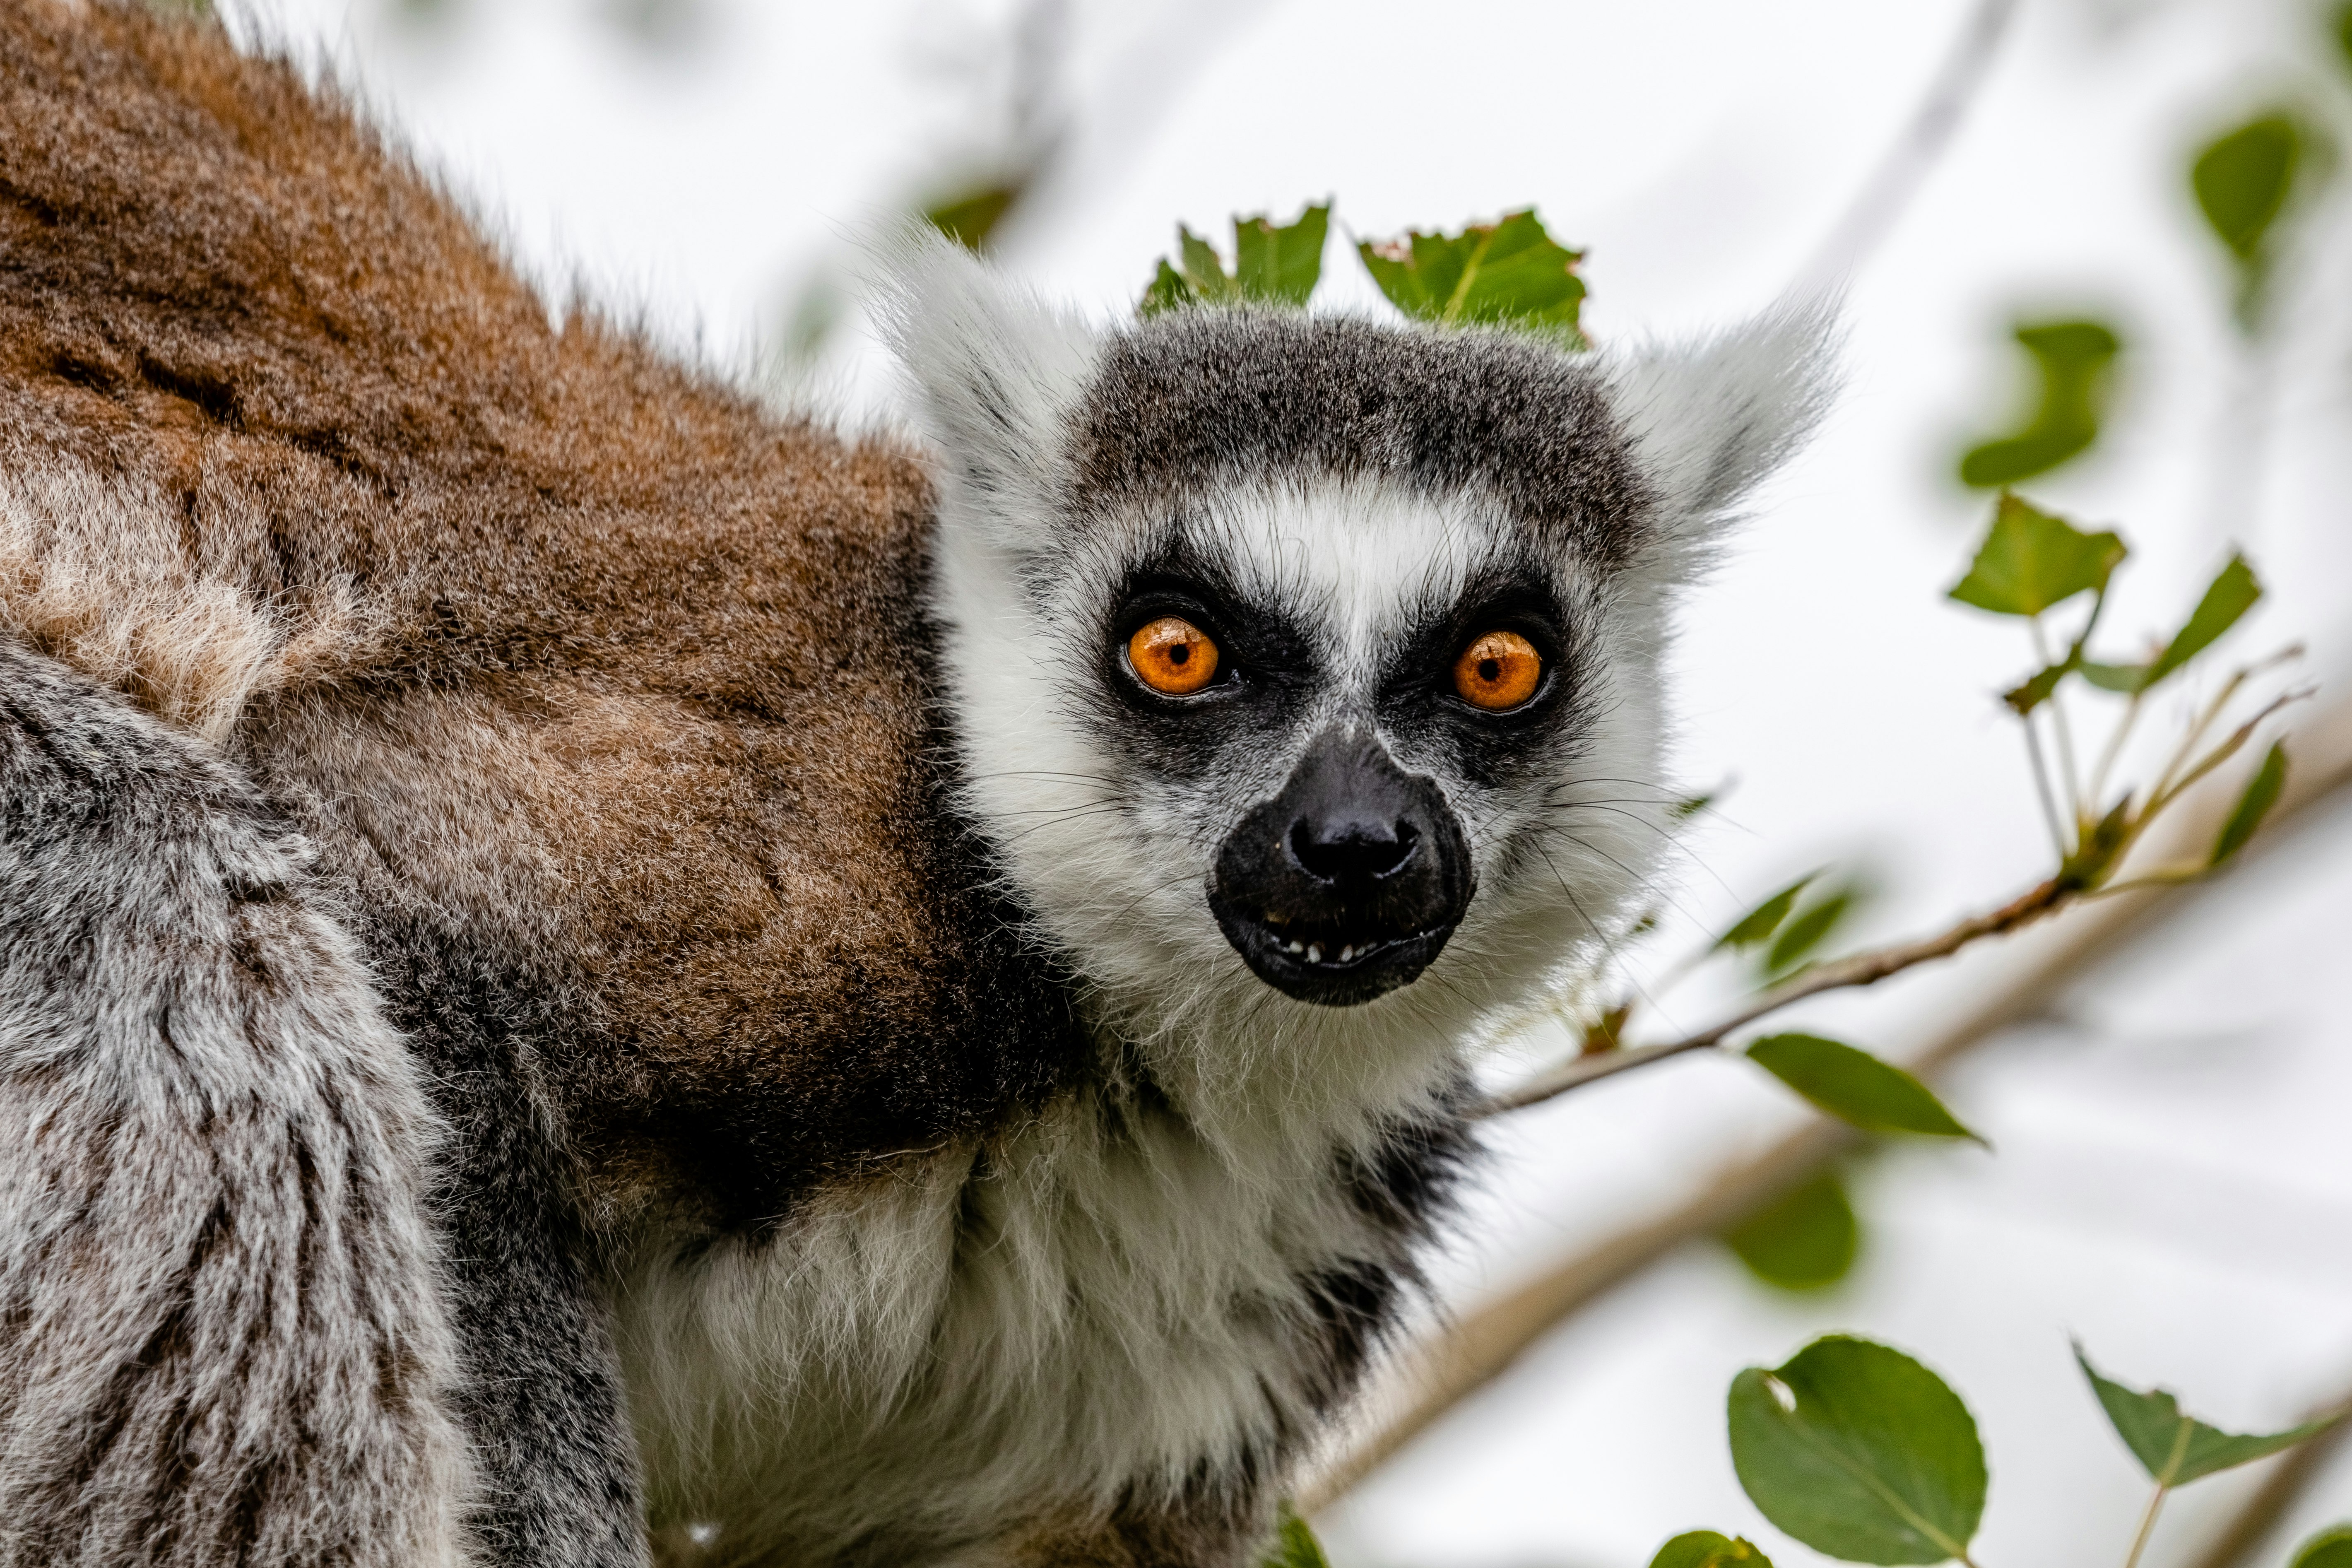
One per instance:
(585,972)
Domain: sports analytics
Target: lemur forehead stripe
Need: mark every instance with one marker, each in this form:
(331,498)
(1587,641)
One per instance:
(1192,397)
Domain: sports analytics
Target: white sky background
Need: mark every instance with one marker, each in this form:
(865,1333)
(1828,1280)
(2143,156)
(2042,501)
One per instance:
(2172,1182)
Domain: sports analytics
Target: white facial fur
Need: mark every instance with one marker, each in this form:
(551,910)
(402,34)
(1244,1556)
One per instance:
(1113,866)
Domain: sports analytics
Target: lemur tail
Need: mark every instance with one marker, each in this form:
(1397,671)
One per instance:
(220,1339)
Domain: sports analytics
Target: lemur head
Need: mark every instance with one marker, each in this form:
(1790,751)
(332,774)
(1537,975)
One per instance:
(1306,668)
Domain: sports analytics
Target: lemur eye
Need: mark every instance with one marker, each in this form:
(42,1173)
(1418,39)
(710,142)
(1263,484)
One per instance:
(1498,670)
(1173,656)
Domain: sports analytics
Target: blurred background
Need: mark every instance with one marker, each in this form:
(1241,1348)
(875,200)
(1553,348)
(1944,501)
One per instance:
(2173,1175)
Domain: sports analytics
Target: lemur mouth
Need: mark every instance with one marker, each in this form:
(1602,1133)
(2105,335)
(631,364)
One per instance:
(1348,882)
(1335,963)
(1326,944)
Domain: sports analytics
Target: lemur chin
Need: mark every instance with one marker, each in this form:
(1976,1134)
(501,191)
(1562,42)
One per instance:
(591,975)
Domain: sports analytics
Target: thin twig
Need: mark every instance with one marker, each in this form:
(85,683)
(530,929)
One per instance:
(1869,968)
(1861,969)
(1479,1347)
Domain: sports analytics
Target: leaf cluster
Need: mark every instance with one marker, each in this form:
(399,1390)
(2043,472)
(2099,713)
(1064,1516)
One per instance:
(1862,1453)
(1274,264)
(2032,562)
(1510,272)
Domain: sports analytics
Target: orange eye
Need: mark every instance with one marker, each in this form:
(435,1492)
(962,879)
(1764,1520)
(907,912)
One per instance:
(1498,670)
(1173,656)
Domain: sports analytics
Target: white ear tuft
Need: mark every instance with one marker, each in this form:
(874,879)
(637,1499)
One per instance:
(994,370)
(1711,419)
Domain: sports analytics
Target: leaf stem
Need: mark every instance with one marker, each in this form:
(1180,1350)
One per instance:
(2041,788)
(2187,747)
(2058,722)
(2114,750)
(2147,1525)
(2222,752)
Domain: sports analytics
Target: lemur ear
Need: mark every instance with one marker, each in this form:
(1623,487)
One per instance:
(1712,417)
(995,374)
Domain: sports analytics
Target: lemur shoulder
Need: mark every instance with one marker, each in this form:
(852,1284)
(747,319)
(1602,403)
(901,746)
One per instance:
(591,975)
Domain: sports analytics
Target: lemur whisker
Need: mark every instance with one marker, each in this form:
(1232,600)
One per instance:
(1047,773)
(1610,942)
(1057,810)
(1072,814)
(1677,905)
(1666,834)
(1149,893)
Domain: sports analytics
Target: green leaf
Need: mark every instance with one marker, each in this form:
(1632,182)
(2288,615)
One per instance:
(1293,1545)
(1280,265)
(2124,677)
(1606,1033)
(1707,1549)
(2230,596)
(2174,1449)
(1804,1239)
(1859,1451)
(2343,31)
(2030,561)
(2097,851)
(1760,922)
(1273,264)
(2072,361)
(2331,1548)
(1810,927)
(1856,1087)
(1509,271)
(2243,180)
(1203,270)
(2262,793)
(1168,292)
(973,217)
(2025,699)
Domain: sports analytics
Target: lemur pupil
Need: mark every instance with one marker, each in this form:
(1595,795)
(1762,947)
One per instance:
(1490,670)
(1180,653)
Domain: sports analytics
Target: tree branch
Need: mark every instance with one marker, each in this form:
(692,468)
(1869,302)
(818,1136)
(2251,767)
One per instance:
(1916,152)
(1459,1360)
(1861,969)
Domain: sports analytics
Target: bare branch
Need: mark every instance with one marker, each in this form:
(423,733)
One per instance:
(1453,1364)
(1916,152)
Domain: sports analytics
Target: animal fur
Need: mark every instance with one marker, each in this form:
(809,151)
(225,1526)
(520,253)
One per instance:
(850,1140)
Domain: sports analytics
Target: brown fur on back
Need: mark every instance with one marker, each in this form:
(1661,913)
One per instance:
(554,645)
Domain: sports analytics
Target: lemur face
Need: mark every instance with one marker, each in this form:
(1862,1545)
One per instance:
(1331,689)
(1299,663)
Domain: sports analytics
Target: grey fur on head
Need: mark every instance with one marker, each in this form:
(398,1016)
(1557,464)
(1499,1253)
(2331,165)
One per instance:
(1195,398)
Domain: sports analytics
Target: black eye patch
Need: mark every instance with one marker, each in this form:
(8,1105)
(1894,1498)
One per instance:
(1418,696)
(1267,665)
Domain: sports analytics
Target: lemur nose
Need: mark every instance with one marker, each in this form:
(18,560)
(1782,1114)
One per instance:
(1351,853)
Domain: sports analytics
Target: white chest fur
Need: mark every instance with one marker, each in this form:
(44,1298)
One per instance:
(1095,1302)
